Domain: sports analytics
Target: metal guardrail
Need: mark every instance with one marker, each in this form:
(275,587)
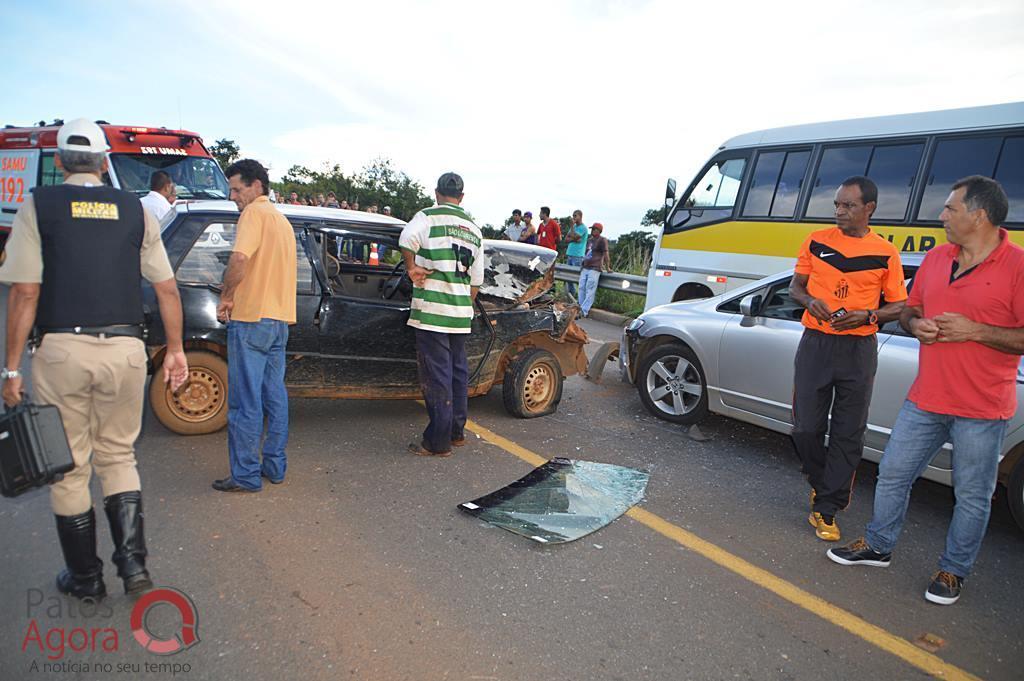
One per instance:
(613,281)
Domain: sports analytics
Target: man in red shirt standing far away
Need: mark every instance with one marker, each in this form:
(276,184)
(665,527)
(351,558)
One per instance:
(549,233)
(966,307)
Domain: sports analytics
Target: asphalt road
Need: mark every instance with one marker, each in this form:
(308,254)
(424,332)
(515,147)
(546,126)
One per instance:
(360,566)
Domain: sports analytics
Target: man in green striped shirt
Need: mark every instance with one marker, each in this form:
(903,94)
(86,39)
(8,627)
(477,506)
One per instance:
(443,253)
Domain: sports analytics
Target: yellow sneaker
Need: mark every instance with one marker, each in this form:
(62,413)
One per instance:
(814,496)
(824,530)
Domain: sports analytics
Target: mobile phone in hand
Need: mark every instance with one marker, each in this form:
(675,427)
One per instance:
(838,314)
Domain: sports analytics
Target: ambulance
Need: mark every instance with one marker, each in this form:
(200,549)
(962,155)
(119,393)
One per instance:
(26,161)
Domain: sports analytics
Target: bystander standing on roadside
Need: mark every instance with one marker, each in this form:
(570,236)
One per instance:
(332,200)
(514,229)
(595,260)
(549,233)
(257,304)
(354,205)
(162,195)
(344,204)
(967,309)
(293,198)
(841,276)
(443,253)
(386,210)
(75,259)
(576,239)
(529,233)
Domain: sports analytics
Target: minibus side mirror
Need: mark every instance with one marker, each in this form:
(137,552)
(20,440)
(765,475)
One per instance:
(670,190)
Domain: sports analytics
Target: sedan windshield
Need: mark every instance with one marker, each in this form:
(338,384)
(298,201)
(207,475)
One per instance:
(195,177)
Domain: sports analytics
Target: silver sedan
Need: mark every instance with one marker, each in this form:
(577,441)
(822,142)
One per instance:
(733,355)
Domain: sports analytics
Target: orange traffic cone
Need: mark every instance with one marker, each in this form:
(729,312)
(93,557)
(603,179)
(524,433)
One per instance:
(374,258)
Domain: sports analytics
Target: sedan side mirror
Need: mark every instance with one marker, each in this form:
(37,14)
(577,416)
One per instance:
(750,305)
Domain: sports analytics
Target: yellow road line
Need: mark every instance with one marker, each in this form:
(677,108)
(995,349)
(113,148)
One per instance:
(876,636)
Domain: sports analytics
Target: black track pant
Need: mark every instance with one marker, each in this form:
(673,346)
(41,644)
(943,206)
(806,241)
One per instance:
(832,373)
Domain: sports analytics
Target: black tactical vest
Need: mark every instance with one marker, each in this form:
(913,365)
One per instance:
(91,242)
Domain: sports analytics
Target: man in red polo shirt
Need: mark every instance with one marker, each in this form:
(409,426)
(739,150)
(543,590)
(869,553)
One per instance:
(967,309)
(549,233)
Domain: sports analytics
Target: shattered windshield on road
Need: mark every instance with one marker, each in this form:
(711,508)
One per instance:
(562,500)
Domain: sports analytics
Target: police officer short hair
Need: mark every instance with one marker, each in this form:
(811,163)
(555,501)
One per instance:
(986,194)
(80,161)
(250,170)
(159,180)
(868,189)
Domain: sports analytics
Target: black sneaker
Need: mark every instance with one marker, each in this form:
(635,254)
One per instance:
(859,553)
(945,588)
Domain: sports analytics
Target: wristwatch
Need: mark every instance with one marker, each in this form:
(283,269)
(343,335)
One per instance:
(872,317)
(9,373)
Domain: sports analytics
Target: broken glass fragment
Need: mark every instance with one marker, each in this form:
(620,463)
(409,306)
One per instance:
(562,500)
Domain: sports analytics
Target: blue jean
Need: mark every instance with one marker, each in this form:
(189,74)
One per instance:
(444,379)
(573,261)
(588,288)
(915,438)
(256,390)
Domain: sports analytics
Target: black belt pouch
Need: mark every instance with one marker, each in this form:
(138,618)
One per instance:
(34,448)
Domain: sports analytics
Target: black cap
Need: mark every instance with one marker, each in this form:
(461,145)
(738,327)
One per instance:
(450,184)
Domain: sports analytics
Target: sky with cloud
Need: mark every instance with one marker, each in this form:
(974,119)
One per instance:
(588,105)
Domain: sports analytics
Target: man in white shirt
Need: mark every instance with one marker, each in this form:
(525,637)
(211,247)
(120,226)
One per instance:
(514,230)
(162,194)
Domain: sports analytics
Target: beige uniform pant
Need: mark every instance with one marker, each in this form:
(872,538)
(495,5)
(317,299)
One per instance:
(98,386)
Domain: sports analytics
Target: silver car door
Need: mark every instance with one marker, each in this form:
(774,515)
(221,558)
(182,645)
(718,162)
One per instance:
(757,353)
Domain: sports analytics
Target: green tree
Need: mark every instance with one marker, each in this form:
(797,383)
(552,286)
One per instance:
(378,183)
(381,184)
(655,216)
(491,232)
(226,152)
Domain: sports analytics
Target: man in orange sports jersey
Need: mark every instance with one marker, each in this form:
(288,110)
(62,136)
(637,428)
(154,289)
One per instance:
(851,282)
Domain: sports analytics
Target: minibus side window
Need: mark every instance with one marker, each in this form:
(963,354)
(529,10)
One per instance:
(837,164)
(792,178)
(1010,174)
(762,186)
(776,184)
(955,159)
(893,168)
(719,186)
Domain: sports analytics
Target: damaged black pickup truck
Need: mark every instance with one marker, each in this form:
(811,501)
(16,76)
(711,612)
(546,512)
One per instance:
(351,339)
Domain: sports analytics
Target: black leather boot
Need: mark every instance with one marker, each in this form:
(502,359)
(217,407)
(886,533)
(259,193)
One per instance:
(124,511)
(83,577)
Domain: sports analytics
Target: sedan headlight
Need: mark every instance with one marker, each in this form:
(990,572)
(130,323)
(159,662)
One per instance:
(635,324)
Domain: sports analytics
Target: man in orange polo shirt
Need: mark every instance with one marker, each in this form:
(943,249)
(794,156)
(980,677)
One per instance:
(842,276)
(258,304)
(967,309)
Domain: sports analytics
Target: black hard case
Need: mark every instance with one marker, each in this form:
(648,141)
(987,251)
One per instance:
(34,448)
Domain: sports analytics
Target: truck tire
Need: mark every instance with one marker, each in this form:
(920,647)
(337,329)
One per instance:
(200,406)
(533,384)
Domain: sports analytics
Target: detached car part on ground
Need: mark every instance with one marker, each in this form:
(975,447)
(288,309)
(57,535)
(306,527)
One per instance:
(351,339)
(734,354)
